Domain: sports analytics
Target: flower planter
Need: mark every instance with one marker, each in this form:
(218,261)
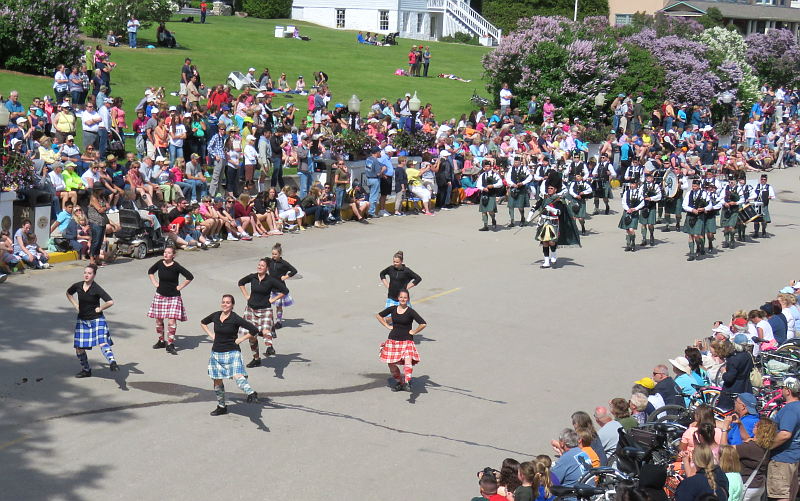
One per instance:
(7,199)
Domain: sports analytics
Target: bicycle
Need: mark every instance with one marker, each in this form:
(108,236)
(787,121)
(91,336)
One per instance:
(706,395)
(478,100)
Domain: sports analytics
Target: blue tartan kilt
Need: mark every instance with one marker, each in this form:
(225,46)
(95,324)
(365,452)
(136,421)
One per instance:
(225,364)
(285,301)
(392,302)
(90,333)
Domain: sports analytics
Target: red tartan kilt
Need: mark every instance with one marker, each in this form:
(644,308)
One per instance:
(167,307)
(393,351)
(260,318)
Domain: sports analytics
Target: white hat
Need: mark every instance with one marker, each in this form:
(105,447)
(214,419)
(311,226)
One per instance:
(15,141)
(681,363)
(160,159)
(173,108)
(64,104)
(251,69)
(707,128)
(259,95)
(444,153)
(109,100)
(187,115)
(392,132)
(408,95)
(251,138)
(722,329)
(389,149)
(21,120)
(70,138)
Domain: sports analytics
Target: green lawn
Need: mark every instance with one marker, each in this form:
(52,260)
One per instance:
(226,44)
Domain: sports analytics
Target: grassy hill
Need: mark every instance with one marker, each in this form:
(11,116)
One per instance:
(226,44)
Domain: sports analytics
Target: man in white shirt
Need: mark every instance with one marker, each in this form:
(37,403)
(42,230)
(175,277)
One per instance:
(91,123)
(133,27)
(608,432)
(104,126)
(505,99)
(751,132)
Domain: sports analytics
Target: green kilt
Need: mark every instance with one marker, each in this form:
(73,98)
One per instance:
(605,190)
(491,204)
(730,221)
(673,205)
(651,216)
(520,201)
(765,214)
(634,223)
(710,224)
(580,205)
(693,225)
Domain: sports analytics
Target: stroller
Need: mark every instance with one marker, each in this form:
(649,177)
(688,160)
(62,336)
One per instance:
(136,237)
(390,39)
(116,143)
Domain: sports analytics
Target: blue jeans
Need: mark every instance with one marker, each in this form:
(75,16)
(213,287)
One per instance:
(98,235)
(668,123)
(277,172)
(102,137)
(132,40)
(615,123)
(374,192)
(174,152)
(198,188)
(186,189)
(305,179)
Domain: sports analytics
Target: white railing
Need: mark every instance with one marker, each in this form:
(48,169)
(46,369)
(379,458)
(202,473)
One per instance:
(468,17)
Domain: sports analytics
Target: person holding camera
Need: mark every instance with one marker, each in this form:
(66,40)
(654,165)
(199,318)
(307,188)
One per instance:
(487,485)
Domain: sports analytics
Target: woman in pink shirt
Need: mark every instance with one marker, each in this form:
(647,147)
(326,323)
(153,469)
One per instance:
(548,109)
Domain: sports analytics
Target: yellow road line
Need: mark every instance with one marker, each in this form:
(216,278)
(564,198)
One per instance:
(13,442)
(435,296)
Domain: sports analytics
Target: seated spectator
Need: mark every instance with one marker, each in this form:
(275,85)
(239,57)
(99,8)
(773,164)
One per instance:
(141,189)
(312,204)
(72,233)
(359,203)
(170,192)
(235,231)
(211,219)
(194,175)
(265,207)
(609,429)
(286,212)
(61,192)
(702,430)
(111,39)
(164,37)
(574,461)
(418,188)
(114,175)
(8,260)
(621,410)
(638,404)
(62,219)
(27,248)
(487,484)
(582,421)
(508,480)
(703,476)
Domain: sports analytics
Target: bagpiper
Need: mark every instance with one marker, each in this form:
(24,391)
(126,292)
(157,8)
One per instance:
(762,194)
(556,226)
(517,179)
(579,191)
(602,175)
(694,204)
(652,193)
(489,183)
(729,215)
(632,203)
(715,203)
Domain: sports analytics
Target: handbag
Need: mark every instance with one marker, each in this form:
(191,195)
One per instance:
(756,378)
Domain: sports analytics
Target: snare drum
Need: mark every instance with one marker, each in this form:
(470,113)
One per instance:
(749,213)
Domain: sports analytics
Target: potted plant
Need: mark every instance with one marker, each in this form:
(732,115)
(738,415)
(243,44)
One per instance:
(16,173)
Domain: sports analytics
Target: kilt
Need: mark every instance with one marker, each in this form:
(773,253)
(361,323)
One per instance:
(693,225)
(580,205)
(678,209)
(651,216)
(520,201)
(548,229)
(90,333)
(396,351)
(167,307)
(765,214)
(730,221)
(392,302)
(607,192)
(261,318)
(632,225)
(284,301)
(710,224)
(491,204)
(225,364)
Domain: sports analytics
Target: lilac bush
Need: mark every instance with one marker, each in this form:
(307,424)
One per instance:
(44,34)
(775,56)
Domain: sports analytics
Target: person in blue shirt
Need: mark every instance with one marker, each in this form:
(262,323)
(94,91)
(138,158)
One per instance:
(14,107)
(777,321)
(739,426)
(683,379)
(574,462)
(681,122)
(373,171)
(782,468)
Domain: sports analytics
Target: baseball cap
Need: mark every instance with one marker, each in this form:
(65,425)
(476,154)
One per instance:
(251,69)
(160,159)
(109,100)
(173,108)
(749,401)
(70,164)
(792,383)
(187,115)
(787,290)
(444,153)
(647,382)
(375,149)
(70,138)
(225,107)
(21,120)
(15,141)
(259,95)
(741,322)
(741,339)
(251,138)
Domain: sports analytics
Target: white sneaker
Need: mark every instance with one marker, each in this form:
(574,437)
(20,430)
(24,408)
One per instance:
(546,263)
(385,213)
(553,257)
(232,238)
(256,235)
(46,266)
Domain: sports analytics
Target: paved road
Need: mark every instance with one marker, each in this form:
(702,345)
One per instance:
(511,350)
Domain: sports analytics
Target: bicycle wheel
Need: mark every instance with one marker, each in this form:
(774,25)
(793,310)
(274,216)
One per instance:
(670,413)
(603,479)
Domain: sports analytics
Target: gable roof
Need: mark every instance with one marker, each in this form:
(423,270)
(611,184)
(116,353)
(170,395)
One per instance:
(733,10)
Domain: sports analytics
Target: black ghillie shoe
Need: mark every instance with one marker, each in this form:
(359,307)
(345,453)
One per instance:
(253,397)
(219,411)
(84,373)
(256,362)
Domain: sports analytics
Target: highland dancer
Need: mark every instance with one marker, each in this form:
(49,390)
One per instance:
(281,270)
(259,306)
(400,347)
(167,302)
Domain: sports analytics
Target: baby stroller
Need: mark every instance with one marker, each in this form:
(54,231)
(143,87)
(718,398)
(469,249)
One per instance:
(116,144)
(136,236)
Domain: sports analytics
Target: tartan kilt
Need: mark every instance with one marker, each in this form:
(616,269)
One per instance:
(630,226)
(607,191)
(392,302)
(491,204)
(678,201)
(580,204)
(90,333)
(167,307)
(225,364)
(651,216)
(693,225)
(710,225)
(284,301)
(548,230)
(520,201)
(261,318)
(765,215)
(396,351)
(730,221)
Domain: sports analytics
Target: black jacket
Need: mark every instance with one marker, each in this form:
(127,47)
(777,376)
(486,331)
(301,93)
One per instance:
(736,378)
(669,391)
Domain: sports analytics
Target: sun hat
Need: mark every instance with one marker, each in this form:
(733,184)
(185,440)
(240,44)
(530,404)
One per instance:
(110,157)
(749,401)
(681,363)
(722,329)
(160,159)
(70,164)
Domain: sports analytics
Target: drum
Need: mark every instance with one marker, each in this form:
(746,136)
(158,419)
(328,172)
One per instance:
(670,184)
(749,213)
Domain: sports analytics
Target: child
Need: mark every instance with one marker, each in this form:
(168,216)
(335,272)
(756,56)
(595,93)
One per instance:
(527,475)
(40,256)
(400,185)
(729,463)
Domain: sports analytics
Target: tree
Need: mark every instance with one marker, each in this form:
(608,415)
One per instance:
(643,76)
(38,35)
(775,57)
(268,9)
(98,17)
(505,14)
(712,18)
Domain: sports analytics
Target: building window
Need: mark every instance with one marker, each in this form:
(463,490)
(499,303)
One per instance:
(340,18)
(383,20)
(420,21)
(623,19)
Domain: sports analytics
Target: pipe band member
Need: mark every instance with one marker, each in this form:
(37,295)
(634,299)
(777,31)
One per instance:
(517,179)
(694,204)
(226,356)
(400,277)
(715,203)
(280,269)
(632,204)
(556,225)
(167,302)
(762,194)
(602,174)
(490,184)
(91,328)
(579,192)
(652,192)
(729,216)
(400,347)
(259,306)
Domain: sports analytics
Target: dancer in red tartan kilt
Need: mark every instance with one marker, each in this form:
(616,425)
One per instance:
(167,302)
(400,347)
(264,291)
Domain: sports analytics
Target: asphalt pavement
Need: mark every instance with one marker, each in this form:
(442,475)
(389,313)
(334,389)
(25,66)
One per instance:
(511,350)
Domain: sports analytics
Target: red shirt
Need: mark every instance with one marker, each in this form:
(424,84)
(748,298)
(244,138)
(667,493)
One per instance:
(203,6)
(412,57)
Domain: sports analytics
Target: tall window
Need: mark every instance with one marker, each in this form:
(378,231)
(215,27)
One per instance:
(340,18)
(383,20)
(623,19)
(420,20)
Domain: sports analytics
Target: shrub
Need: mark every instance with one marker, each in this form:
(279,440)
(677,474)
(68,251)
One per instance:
(460,37)
(414,144)
(775,57)
(268,9)
(38,35)
(98,17)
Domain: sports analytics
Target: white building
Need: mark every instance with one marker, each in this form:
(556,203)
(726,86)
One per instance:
(415,19)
